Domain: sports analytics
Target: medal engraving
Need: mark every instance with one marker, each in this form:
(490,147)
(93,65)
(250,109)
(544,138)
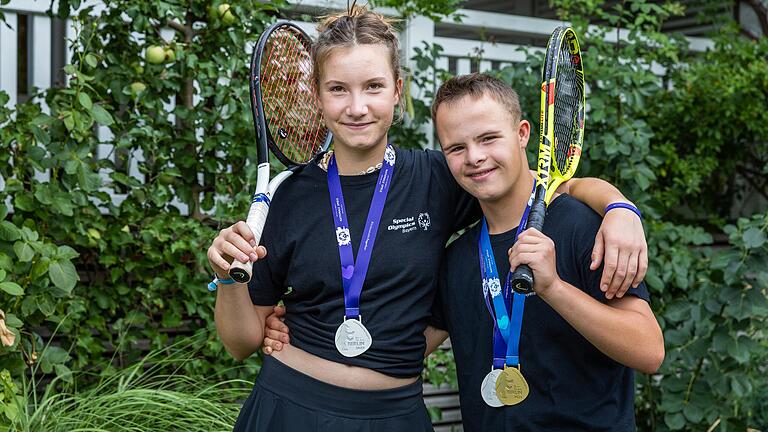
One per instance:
(511,387)
(352,338)
(488,389)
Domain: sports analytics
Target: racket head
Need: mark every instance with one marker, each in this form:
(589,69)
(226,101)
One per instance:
(569,105)
(286,112)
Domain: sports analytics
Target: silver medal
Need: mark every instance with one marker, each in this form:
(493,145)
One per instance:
(488,389)
(353,339)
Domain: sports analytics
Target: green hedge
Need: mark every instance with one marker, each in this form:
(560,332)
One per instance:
(102,278)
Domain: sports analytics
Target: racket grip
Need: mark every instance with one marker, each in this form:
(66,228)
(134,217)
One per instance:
(522,278)
(257,215)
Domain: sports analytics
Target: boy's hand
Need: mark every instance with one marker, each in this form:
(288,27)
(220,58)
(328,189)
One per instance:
(276,332)
(620,245)
(538,251)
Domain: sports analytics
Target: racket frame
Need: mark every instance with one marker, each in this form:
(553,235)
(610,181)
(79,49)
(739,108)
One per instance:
(265,189)
(548,179)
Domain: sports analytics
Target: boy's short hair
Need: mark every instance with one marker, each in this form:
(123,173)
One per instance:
(476,85)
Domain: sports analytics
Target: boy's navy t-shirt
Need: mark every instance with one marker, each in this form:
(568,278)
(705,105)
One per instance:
(424,207)
(573,386)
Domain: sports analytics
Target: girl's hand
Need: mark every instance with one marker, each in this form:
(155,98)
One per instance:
(620,245)
(236,241)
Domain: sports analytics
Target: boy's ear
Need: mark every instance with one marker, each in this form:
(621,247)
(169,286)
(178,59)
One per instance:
(524,133)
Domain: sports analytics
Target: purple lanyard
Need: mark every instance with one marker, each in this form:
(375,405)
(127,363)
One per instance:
(353,273)
(506,341)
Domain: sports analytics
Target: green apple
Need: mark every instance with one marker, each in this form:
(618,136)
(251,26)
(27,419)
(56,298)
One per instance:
(138,87)
(155,54)
(170,55)
(225,12)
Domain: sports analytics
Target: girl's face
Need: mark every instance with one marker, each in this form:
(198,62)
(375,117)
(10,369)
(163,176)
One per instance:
(358,95)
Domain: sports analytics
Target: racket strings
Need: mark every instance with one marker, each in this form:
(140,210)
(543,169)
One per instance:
(289,90)
(568,109)
(290,107)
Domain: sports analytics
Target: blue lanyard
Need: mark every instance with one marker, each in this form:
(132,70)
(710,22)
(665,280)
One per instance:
(506,330)
(353,273)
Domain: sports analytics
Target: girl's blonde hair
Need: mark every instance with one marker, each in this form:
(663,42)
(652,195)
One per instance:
(357,26)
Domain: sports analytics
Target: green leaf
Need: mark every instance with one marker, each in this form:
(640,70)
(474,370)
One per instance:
(39,268)
(754,238)
(85,101)
(9,232)
(51,356)
(2,275)
(741,385)
(63,372)
(23,251)
(28,234)
(674,421)
(63,275)
(12,288)
(65,252)
(101,116)
(13,321)
(12,411)
(69,120)
(3,211)
(91,60)
(693,412)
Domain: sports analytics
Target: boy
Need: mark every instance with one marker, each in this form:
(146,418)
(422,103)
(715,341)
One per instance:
(572,367)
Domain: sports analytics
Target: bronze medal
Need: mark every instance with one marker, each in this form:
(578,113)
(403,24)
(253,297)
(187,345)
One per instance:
(511,387)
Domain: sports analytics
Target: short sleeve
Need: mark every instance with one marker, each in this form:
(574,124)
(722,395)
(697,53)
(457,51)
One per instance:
(463,206)
(267,284)
(583,243)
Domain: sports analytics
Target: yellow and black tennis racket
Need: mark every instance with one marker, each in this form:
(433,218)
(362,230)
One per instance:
(561,131)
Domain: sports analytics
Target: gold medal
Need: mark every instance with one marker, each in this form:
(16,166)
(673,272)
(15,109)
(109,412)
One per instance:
(511,387)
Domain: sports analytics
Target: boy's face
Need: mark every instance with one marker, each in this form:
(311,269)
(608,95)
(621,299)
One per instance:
(484,146)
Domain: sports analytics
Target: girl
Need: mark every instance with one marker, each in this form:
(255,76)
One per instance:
(357,313)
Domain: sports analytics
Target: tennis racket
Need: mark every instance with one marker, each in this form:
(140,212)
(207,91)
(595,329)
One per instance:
(286,117)
(561,132)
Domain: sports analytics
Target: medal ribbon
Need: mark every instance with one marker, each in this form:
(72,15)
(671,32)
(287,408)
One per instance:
(353,273)
(506,331)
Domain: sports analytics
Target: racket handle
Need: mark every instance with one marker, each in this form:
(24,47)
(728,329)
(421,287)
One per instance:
(257,215)
(522,278)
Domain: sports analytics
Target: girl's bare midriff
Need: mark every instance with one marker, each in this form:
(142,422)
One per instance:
(353,377)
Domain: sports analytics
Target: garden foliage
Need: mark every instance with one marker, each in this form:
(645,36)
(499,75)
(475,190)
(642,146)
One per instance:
(86,282)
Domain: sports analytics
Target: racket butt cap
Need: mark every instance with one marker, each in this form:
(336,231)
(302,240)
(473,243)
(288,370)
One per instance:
(522,280)
(239,274)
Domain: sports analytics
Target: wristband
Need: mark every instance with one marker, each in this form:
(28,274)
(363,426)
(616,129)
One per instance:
(624,206)
(213,284)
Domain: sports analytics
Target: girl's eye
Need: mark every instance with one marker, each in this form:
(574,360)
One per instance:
(376,86)
(335,89)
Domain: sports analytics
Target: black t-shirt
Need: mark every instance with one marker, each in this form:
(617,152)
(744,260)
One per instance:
(573,386)
(424,207)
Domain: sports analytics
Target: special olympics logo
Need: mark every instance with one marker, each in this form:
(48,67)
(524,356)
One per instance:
(389,156)
(424,221)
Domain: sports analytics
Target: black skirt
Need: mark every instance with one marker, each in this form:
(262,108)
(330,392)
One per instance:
(285,400)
